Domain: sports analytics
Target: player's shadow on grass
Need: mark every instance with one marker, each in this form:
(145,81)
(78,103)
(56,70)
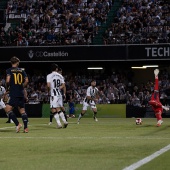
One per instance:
(157,130)
(7,130)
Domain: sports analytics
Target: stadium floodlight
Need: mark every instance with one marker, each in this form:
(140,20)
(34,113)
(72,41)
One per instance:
(95,68)
(145,67)
(139,67)
(151,66)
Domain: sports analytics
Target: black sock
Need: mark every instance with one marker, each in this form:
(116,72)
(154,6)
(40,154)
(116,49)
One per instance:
(94,116)
(12,116)
(51,116)
(65,115)
(25,120)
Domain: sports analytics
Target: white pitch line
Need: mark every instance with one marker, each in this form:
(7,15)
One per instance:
(147,159)
(7,127)
(75,137)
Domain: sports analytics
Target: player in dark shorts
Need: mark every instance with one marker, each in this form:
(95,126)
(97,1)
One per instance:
(16,81)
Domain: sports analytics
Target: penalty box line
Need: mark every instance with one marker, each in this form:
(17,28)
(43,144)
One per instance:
(148,158)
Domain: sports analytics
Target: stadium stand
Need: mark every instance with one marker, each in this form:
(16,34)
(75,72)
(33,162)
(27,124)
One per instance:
(82,22)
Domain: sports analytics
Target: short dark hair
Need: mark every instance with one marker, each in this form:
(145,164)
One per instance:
(93,80)
(14,60)
(54,67)
(59,69)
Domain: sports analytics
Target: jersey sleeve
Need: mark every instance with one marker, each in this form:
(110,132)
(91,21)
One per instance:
(24,74)
(48,79)
(88,91)
(8,72)
(62,80)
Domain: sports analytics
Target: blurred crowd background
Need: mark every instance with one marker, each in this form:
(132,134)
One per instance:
(82,22)
(118,87)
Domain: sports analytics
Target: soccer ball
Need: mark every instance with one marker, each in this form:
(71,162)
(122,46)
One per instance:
(138,121)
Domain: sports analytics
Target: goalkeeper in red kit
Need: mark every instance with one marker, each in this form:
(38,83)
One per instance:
(155,101)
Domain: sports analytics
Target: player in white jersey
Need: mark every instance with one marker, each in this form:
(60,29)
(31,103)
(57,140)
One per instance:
(92,96)
(2,97)
(2,93)
(64,96)
(55,82)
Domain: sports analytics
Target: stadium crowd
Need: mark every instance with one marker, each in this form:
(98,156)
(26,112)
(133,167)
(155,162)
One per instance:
(55,22)
(140,22)
(118,87)
(77,22)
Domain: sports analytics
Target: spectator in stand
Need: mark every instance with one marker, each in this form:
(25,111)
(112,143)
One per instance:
(71,108)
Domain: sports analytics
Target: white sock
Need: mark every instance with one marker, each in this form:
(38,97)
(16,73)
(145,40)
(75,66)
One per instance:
(62,117)
(57,118)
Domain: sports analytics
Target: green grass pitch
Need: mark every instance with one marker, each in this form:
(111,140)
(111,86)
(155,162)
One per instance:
(109,144)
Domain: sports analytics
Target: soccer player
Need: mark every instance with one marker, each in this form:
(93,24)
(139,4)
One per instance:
(63,91)
(3,95)
(92,96)
(155,100)
(55,83)
(16,81)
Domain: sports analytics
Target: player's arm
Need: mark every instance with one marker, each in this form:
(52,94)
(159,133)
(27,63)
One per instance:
(97,96)
(25,82)
(25,95)
(48,87)
(64,91)
(62,86)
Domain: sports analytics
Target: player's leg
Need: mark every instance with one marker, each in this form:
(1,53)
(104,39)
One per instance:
(11,115)
(63,110)
(85,105)
(59,105)
(24,117)
(94,108)
(158,115)
(57,118)
(156,87)
(61,114)
(9,111)
(155,103)
(3,106)
(94,113)
(51,118)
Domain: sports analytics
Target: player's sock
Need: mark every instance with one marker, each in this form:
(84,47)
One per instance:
(65,115)
(57,118)
(158,116)
(12,116)
(80,116)
(94,115)
(61,114)
(25,120)
(51,116)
